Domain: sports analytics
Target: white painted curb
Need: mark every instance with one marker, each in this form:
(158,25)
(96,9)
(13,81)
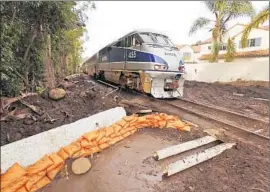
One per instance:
(27,151)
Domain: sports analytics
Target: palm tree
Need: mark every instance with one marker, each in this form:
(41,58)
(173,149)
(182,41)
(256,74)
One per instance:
(255,22)
(223,11)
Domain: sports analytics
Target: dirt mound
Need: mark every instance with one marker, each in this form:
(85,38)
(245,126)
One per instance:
(81,100)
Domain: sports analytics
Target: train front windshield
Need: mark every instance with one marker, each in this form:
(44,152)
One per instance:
(156,39)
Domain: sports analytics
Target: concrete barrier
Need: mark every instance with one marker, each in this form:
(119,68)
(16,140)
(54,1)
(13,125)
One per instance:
(29,150)
(244,69)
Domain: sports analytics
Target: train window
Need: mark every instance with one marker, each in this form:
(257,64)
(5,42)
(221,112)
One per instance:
(147,38)
(120,43)
(129,41)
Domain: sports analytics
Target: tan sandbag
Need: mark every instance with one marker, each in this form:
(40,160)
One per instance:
(163,116)
(80,153)
(104,145)
(51,174)
(104,140)
(109,131)
(135,119)
(91,135)
(86,144)
(94,150)
(14,172)
(57,160)
(133,131)
(113,135)
(127,134)
(40,165)
(22,189)
(116,128)
(121,122)
(42,183)
(63,154)
(185,128)
(162,124)
(129,118)
(15,185)
(88,152)
(72,148)
(34,179)
(101,134)
(126,125)
(123,131)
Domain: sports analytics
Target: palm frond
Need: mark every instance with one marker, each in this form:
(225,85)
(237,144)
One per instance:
(210,5)
(256,21)
(199,24)
(231,50)
(237,9)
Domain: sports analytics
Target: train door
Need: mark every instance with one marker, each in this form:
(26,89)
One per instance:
(117,55)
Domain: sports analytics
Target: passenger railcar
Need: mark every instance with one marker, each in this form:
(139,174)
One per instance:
(143,60)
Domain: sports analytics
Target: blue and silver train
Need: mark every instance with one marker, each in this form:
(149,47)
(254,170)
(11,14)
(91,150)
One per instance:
(143,60)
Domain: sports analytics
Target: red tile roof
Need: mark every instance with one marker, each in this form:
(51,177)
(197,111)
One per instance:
(259,53)
(209,40)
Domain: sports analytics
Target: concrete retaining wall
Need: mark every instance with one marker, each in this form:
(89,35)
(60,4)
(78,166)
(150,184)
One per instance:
(256,69)
(29,150)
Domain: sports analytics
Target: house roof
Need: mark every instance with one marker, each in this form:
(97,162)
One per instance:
(246,54)
(181,46)
(209,40)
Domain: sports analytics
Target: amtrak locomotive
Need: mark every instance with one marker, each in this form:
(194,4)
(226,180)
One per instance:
(143,60)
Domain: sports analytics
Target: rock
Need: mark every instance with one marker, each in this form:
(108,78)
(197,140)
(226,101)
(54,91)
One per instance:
(80,166)
(17,136)
(37,129)
(57,93)
(67,85)
(82,94)
(21,130)
(28,121)
(8,137)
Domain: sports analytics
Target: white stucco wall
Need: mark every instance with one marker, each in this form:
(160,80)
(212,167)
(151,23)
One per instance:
(256,69)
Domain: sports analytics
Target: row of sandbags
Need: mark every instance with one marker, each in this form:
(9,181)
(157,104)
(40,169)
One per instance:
(41,173)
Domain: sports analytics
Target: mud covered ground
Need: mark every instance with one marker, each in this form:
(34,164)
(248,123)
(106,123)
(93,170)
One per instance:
(82,100)
(238,97)
(85,99)
(128,166)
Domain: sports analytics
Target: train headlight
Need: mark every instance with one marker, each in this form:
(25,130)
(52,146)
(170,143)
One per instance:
(160,67)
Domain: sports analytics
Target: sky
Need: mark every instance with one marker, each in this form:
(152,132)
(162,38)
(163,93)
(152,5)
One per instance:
(113,19)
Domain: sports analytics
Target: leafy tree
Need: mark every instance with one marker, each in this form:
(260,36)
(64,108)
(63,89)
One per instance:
(255,22)
(35,37)
(231,50)
(223,12)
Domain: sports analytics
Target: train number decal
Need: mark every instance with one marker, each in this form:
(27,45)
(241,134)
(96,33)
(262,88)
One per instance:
(132,54)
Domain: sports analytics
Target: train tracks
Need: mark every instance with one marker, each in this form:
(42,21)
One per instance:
(247,127)
(249,124)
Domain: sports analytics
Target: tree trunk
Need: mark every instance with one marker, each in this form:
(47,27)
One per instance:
(216,44)
(48,68)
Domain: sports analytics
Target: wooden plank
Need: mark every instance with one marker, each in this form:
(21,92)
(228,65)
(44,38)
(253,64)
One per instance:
(195,159)
(176,149)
